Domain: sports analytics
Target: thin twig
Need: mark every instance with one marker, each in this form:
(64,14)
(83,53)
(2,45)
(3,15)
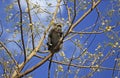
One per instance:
(94,32)
(74,12)
(1,28)
(71,59)
(9,53)
(31,24)
(15,43)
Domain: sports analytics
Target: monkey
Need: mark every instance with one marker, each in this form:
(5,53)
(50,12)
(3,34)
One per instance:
(54,37)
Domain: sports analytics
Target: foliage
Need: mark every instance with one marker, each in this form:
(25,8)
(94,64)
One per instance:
(91,38)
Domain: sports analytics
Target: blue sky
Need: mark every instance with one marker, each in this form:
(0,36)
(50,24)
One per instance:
(68,48)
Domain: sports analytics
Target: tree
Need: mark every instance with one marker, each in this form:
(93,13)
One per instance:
(91,38)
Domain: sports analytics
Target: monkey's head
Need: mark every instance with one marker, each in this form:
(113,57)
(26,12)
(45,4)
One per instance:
(57,26)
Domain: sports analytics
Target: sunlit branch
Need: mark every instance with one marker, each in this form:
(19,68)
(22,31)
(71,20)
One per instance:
(21,29)
(31,24)
(93,3)
(69,15)
(68,11)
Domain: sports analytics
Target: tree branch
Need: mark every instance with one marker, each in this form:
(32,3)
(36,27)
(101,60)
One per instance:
(94,32)
(36,66)
(21,29)
(31,24)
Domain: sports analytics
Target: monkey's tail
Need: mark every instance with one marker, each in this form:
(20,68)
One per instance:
(50,65)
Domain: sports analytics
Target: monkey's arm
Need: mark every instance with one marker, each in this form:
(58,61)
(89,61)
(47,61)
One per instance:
(49,43)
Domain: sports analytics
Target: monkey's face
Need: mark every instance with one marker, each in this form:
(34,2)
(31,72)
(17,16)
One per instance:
(58,28)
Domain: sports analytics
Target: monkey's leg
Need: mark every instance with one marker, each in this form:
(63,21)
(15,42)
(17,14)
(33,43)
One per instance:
(50,66)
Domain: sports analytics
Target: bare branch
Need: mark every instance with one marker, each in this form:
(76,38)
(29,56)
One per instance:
(68,11)
(21,29)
